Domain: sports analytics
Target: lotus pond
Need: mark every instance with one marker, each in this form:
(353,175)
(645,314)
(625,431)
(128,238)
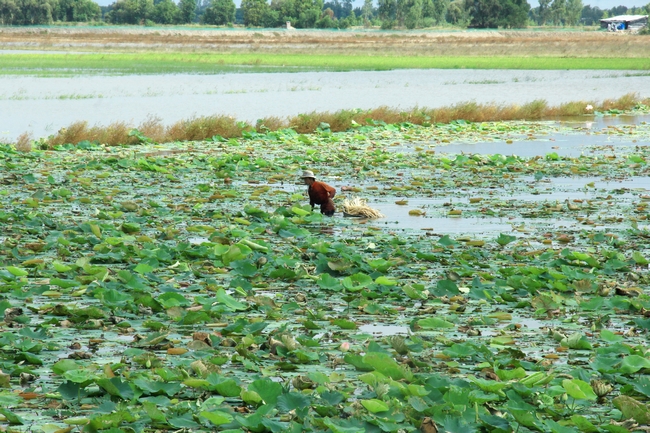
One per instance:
(189,287)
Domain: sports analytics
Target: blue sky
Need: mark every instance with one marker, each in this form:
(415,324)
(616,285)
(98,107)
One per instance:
(602,4)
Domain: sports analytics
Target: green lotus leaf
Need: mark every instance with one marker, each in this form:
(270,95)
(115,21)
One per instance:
(374,405)
(634,363)
(579,389)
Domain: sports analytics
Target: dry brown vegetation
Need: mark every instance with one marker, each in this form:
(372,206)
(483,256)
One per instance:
(24,142)
(430,43)
(207,127)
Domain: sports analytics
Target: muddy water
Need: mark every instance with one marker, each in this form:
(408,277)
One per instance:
(41,105)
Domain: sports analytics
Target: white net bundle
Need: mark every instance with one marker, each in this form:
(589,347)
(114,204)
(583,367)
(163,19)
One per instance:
(359,208)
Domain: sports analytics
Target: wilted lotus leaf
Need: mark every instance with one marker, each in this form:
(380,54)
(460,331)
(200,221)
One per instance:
(35,246)
(397,342)
(417,212)
(584,285)
(631,292)
(199,368)
(32,263)
(632,408)
(155,339)
(129,206)
(203,337)
(339,265)
(402,202)
(601,388)
(302,383)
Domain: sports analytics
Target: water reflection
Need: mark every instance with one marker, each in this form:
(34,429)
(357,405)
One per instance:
(562,145)
(384,330)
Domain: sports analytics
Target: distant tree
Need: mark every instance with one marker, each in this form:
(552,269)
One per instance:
(514,14)
(544,11)
(220,12)
(573,12)
(366,12)
(326,20)
(413,14)
(130,11)
(498,13)
(436,10)
(286,10)
(618,10)
(386,12)
(186,11)
(77,11)
(346,10)
(254,12)
(402,9)
(8,12)
(165,12)
(33,12)
(558,11)
(308,12)
(591,15)
(457,13)
(271,18)
(340,9)
(485,13)
(349,21)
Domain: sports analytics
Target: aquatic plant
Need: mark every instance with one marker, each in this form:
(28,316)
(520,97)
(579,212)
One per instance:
(189,285)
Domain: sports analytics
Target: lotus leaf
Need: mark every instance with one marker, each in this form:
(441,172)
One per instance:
(578,389)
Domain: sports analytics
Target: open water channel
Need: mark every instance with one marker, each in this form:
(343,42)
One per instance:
(43,105)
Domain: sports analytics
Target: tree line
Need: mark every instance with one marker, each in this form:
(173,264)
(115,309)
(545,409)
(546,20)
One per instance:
(386,14)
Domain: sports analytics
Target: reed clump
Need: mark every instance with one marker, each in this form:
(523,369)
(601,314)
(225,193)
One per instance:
(272,123)
(223,126)
(201,128)
(24,142)
(117,133)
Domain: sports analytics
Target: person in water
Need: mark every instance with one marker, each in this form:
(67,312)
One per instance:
(319,193)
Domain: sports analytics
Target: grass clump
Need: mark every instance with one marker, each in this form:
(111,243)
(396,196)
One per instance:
(225,127)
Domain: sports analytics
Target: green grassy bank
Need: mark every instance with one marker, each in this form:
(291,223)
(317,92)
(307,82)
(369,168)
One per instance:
(209,63)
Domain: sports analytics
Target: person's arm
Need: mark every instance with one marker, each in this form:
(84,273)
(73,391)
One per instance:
(311,197)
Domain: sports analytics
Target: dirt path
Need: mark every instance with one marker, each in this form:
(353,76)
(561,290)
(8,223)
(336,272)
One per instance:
(369,42)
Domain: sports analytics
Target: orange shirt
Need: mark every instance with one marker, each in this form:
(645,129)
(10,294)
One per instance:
(321,193)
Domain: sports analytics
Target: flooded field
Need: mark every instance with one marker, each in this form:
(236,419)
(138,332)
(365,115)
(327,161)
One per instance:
(42,106)
(189,286)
